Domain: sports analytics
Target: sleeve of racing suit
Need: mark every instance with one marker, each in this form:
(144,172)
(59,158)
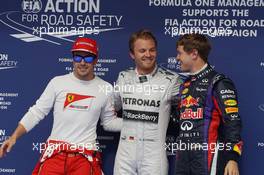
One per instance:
(42,107)
(173,127)
(117,97)
(175,88)
(108,117)
(225,97)
(175,98)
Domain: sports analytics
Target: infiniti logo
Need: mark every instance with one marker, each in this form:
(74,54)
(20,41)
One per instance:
(186,126)
(261,107)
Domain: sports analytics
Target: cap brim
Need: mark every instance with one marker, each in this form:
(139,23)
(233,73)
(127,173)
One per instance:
(84,50)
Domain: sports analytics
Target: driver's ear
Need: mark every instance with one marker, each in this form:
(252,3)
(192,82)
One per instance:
(132,55)
(95,61)
(194,53)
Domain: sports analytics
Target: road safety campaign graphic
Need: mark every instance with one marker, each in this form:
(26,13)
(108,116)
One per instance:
(55,20)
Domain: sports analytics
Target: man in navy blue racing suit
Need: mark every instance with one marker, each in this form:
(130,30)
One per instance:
(209,140)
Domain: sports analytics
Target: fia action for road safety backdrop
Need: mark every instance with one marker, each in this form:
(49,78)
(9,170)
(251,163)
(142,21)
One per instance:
(36,37)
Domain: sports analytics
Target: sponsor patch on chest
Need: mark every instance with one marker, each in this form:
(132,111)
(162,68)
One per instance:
(77,101)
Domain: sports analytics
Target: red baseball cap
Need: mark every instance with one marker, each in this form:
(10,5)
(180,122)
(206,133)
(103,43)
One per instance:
(86,45)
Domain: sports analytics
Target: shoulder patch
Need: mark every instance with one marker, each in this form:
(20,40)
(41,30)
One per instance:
(218,77)
(166,71)
(122,74)
(127,71)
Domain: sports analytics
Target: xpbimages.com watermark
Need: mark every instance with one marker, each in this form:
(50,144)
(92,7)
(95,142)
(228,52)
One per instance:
(40,147)
(65,31)
(146,89)
(183,146)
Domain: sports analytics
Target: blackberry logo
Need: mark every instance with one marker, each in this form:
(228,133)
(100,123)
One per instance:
(152,117)
(31,6)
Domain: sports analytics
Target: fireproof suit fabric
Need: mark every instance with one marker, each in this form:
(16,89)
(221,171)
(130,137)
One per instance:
(146,104)
(77,107)
(73,165)
(208,116)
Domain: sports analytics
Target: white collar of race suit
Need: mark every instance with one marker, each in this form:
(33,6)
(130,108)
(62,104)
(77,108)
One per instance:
(74,78)
(144,78)
(197,72)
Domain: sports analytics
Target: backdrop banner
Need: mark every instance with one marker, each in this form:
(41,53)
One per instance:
(36,37)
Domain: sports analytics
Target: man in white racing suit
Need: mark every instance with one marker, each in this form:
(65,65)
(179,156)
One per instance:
(78,103)
(145,95)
